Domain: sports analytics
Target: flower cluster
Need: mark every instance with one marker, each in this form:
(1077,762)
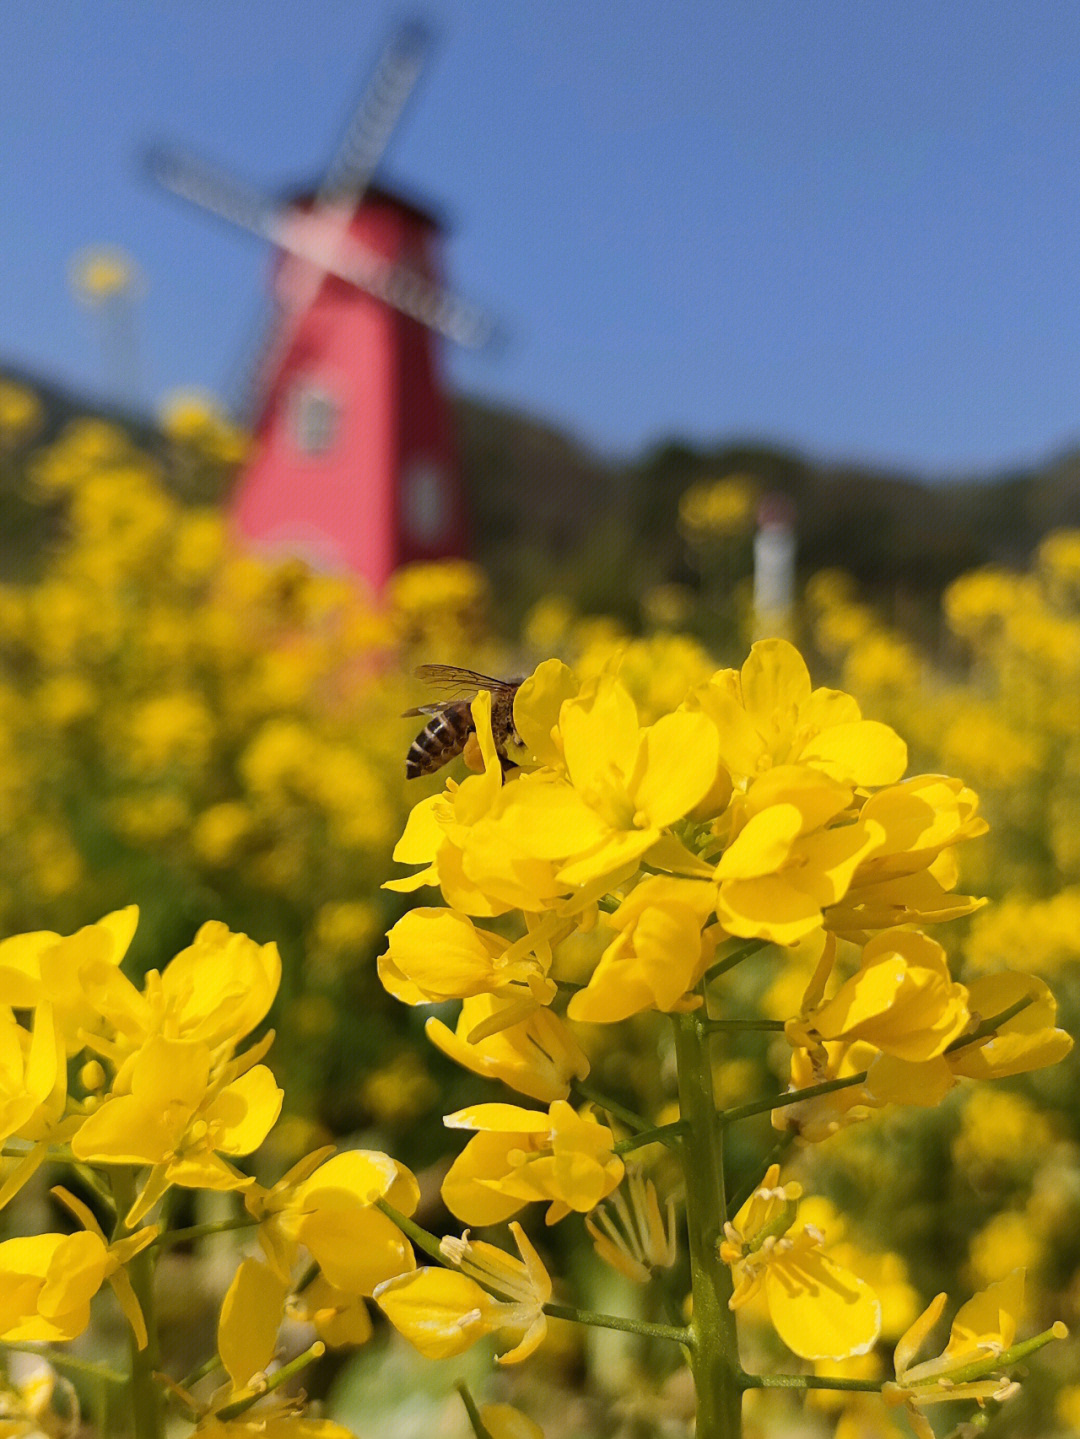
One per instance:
(170,1094)
(758,813)
(999,705)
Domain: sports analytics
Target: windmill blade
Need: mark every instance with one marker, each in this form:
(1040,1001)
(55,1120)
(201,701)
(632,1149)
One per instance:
(401,288)
(423,300)
(372,123)
(339,195)
(211,189)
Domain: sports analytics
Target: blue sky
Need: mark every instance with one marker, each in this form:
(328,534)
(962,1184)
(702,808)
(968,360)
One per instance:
(849,227)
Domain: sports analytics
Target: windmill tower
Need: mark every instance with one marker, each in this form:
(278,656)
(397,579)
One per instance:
(353,465)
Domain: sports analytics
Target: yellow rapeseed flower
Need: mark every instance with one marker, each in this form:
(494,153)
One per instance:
(172,1115)
(659,954)
(251,1314)
(789,863)
(537,1056)
(633,783)
(43,965)
(768,714)
(630,1233)
(1029,1040)
(48,1280)
(902,1000)
(439,954)
(444,1312)
(819,1309)
(328,1206)
(983,1330)
(520,1156)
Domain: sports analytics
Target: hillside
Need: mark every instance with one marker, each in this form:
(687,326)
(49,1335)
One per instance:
(550,514)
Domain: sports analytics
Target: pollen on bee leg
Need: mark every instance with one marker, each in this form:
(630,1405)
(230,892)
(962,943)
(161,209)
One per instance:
(474,760)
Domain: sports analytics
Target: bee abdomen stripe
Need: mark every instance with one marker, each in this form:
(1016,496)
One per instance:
(430,740)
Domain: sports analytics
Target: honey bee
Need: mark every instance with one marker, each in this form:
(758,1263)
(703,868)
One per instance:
(451,723)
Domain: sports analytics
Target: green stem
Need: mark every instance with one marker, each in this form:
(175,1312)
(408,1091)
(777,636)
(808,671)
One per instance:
(790,1096)
(147,1409)
(273,1381)
(200,1231)
(991,1025)
(86,1368)
(429,1243)
(992,1363)
(739,1026)
(617,1111)
(676,1333)
(662,1134)
(736,956)
(810,1381)
(201,1371)
(479,1428)
(717,1374)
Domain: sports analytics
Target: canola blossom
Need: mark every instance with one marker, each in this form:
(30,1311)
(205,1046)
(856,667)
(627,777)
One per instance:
(973,1363)
(445,1311)
(819,1309)
(643,863)
(172,1094)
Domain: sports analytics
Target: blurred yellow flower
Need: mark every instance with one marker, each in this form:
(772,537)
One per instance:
(101,273)
(1006,1241)
(21,412)
(999,1130)
(193,418)
(715,509)
(503,1421)
(218,834)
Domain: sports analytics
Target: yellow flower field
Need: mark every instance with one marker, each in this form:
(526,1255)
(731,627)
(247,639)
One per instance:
(686,934)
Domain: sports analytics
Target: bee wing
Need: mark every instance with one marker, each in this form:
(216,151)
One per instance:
(459,682)
(423,710)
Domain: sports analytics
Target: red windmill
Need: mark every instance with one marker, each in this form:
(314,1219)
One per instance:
(353,465)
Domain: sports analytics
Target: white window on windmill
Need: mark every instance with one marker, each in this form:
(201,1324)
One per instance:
(314,418)
(424,502)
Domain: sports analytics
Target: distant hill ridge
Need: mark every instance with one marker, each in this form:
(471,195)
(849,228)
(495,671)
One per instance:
(550,513)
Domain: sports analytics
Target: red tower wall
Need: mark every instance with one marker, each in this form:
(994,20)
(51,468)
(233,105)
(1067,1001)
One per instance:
(385,487)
